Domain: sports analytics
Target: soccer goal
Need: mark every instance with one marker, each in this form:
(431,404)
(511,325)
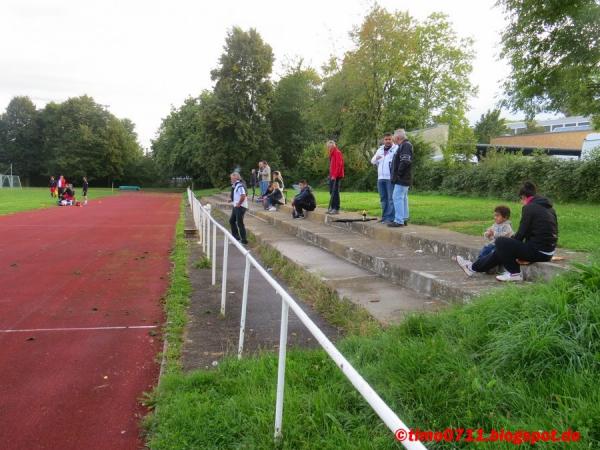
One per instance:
(10,181)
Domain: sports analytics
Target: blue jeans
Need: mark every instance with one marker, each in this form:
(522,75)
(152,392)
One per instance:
(386,192)
(400,197)
(264,185)
(486,250)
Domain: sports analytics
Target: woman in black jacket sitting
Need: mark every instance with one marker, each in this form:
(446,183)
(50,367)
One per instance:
(535,241)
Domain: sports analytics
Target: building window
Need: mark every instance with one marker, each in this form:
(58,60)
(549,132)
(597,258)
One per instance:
(554,127)
(583,124)
(547,128)
(570,124)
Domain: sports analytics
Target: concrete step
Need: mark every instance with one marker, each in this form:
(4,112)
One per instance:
(425,274)
(385,301)
(430,240)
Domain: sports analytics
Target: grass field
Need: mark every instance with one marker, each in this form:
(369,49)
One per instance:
(579,224)
(518,359)
(15,200)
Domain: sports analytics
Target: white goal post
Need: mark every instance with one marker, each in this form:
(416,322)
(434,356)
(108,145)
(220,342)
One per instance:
(10,181)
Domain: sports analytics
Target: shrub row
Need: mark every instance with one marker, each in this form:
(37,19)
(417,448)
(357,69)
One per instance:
(500,175)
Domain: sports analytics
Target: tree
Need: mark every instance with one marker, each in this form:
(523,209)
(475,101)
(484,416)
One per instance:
(439,67)
(490,125)
(293,121)
(21,142)
(238,132)
(81,138)
(553,47)
(402,73)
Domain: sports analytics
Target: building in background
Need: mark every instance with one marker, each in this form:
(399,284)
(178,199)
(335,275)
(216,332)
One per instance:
(572,123)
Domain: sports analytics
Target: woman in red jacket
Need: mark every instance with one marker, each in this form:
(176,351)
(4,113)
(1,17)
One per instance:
(336,173)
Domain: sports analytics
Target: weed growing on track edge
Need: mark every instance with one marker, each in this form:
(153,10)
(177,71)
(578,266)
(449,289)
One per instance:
(177,298)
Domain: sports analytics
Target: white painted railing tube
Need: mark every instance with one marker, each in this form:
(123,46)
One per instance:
(209,237)
(208,247)
(381,409)
(244,307)
(205,237)
(224,277)
(388,416)
(214,256)
(281,368)
(202,224)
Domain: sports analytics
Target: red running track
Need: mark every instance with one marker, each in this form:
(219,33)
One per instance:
(99,266)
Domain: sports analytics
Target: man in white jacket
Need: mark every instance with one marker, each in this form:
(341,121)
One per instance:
(383,160)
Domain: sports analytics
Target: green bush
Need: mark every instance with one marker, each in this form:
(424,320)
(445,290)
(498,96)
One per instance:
(500,175)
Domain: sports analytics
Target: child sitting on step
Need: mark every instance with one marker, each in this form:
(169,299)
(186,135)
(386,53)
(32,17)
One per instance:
(273,197)
(500,228)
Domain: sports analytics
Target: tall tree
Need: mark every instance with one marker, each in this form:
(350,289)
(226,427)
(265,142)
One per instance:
(292,117)
(81,138)
(402,73)
(489,125)
(21,140)
(554,49)
(238,130)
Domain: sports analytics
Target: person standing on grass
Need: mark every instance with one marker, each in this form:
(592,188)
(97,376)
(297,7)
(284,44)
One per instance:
(383,160)
(61,184)
(239,199)
(253,182)
(535,241)
(336,173)
(401,177)
(52,185)
(264,172)
(84,189)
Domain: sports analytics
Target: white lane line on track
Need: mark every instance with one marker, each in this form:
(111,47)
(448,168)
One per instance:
(34,330)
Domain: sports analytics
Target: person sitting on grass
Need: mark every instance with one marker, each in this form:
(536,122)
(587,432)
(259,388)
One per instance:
(273,197)
(500,228)
(68,196)
(303,201)
(535,241)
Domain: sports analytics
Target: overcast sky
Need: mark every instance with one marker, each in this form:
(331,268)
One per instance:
(142,57)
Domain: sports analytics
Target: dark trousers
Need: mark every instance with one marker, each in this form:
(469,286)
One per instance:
(301,206)
(237,224)
(508,250)
(334,191)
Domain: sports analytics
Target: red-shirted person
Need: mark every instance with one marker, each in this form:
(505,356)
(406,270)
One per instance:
(336,173)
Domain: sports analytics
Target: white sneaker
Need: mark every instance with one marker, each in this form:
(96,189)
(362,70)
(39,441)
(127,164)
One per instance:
(507,276)
(465,265)
(272,208)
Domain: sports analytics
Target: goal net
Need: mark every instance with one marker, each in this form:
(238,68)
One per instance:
(10,181)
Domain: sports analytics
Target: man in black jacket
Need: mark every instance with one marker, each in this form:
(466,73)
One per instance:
(535,241)
(401,177)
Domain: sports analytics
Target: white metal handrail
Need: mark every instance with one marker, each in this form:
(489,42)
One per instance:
(205,223)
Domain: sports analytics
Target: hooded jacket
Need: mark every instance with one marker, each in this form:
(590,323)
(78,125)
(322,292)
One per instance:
(336,164)
(539,225)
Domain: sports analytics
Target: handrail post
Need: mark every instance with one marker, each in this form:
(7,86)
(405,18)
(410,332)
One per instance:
(214,256)
(224,278)
(205,230)
(281,368)
(244,307)
(208,216)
